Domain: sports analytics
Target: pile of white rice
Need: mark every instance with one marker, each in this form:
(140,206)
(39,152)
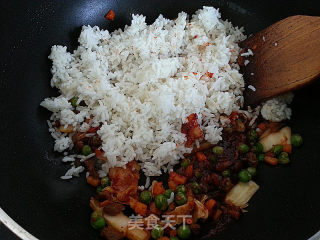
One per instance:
(142,82)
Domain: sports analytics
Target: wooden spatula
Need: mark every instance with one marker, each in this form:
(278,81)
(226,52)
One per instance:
(286,57)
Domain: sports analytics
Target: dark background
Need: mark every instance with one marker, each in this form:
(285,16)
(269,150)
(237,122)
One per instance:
(287,206)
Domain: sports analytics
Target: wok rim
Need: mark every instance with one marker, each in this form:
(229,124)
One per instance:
(20,232)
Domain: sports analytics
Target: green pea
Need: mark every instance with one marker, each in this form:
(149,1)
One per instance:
(283,158)
(181,188)
(258,148)
(99,189)
(97,221)
(226,173)
(198,173)
(184,232)
(86,150)
(244,148)
(217,150)
(252,171)
(185,163)
(296,140)
(105,182)
(74,101)
(174,238)
(253,135)
(180,198)
(157,232)
(277,149)
(145,197)
(161,202)
(244,176)
(261,157)
(213,159)
(195,188)
(167,193)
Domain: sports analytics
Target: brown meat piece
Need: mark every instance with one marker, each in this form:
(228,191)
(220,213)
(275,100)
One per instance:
(90,165)
(111,233)
(113,208)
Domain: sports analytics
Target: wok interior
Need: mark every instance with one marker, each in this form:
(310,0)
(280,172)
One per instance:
(285,207)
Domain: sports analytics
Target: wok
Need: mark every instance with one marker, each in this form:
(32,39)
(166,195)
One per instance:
(287,206)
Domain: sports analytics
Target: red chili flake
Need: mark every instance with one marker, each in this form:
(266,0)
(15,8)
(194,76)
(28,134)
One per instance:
(194,73)
(209,74)
(110,15)
(196,36)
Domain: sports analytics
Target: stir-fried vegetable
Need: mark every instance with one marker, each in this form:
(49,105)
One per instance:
(161,202)
(181,188)
(261,157)
(244,176)
(241,193)
(271,160)
(174,238)
(74,101)
(195,188)
(244,148)
(167,193)
(157,232)
(277,138)
(180,198)
(226,173)
(284,158)
(217,150)
(258,148)
(185,163)
(86,150)
(277,149)
(105,182)
(97,221)
(184,232)
(252,171)
(145,197)
(296,140)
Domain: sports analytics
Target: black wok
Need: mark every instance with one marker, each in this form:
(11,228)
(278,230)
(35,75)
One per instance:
(287,206)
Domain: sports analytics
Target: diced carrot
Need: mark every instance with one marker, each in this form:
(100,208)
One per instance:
(157,188)
(95,182)
(271,160)
(269,154)
(141,208)
(93,129)
(262,126)
(177,178)
(173,233)
(110,15)
(209,74)
(164,238)
(287,148)
(172,185)
(189,171)
(100,155)
(217,214)
(201,157)
(210,205)
(105,203)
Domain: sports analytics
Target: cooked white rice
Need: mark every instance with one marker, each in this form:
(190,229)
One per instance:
(142,82)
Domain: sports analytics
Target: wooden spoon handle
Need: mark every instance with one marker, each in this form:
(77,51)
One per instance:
(286,57)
